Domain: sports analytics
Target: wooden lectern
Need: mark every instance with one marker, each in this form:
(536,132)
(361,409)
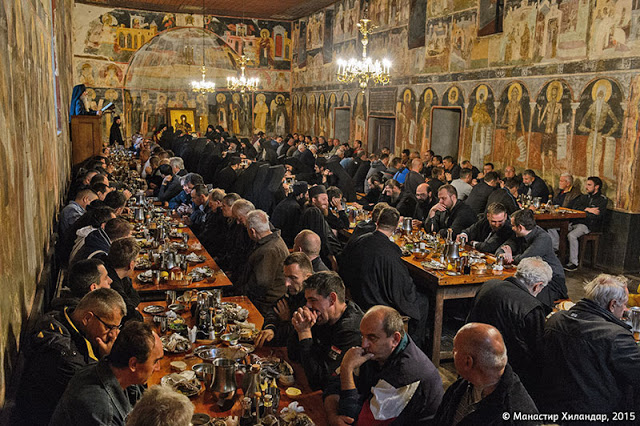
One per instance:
(86,137)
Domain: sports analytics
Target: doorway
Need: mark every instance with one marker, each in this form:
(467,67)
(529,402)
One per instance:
(382,133)
(446,124)
(342,120)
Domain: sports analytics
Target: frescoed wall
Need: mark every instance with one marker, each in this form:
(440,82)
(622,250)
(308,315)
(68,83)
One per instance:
(556,90)
(35,84)
(145,61)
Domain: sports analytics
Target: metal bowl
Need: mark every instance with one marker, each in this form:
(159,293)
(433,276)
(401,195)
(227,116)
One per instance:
(209,353)
(202,368)
(177,307)
(230,339)
(420,254)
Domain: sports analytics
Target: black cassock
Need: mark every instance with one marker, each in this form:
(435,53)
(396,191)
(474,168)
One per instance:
(313,219)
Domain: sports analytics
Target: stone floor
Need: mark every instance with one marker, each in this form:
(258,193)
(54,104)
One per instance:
(575,283)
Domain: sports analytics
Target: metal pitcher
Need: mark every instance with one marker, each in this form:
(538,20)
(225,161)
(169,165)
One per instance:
(138,214)
(634,315)
(407,225)
(452,251)
(223,387)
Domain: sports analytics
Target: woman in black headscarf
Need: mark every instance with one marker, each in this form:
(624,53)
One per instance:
(77,106)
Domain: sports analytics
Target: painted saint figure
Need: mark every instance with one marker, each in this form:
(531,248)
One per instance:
(512,119)
(593,123)
(481,121)
(260,112)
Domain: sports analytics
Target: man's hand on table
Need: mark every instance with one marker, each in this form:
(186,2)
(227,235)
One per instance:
(303,319)
(592,210)
(507,254)
(186,220)
(263,337)
(416,223)
(340,421)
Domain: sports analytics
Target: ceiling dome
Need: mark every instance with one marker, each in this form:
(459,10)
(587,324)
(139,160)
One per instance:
(173,59)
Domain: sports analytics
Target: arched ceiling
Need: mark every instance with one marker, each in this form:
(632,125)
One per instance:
(274,9)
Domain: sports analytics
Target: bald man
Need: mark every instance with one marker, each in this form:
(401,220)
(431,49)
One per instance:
(309,243)
(488,391)
(388,379)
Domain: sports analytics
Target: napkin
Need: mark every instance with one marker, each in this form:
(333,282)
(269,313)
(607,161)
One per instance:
(192,333)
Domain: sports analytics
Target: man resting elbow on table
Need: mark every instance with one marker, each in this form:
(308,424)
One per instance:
(387,380)
(327,327)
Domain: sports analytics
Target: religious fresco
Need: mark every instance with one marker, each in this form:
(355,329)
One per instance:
(453,97)
(438,44)
(463,34)
(35,159)
(359,117)
(512,132)
(155,56)
(478,142)
(428,99)
(406,125)
(315,31)
(272,113)
(598,129)
(418,11)
(551,130)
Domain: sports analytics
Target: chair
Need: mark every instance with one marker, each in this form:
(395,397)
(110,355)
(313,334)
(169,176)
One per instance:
(594,238)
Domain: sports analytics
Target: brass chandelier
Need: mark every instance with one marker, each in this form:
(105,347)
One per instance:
(242,83)
(364,69)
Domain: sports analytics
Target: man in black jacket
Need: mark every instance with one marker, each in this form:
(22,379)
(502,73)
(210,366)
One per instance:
(591,362)
(533,186)
(506,195)
(327,327)
(394,195)
(287,213)
(449,212)
(488,392)
(120,264)
(277,326)
(594,204)
(511,306)
(451,168)
(480,193)
(171,185)
(535,241)
(490,232)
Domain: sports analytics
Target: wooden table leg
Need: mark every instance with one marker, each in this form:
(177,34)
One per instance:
(562,247)
(436,334)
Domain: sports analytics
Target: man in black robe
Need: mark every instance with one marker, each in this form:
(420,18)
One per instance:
(480,193)
(228,175)
(397,197)
(314,219)
(115,135)
(373,270)
(287,213)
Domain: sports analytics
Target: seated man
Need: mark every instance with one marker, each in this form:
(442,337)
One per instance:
(327,327)
(376,186)
(490,232)
(387,380)
(507,195)
(488,392)
(314,218)
(277,323)
(214,221)
(120,264)
(61,344)
(394,195)
(449,212)
(375,274)
(479,195)
(414,178)
(488,167)
(566,192)
(200,197)
(534,241)
(533,186)
(97,395)
(161,405)
(182,201)
(466,164)
(98,242)
(511,306)
(510,173)
(594,204)
(74,210)
(437,179)
(425,200)
(263,280)
(463,184)
(591,363)
(286,215)
(309,243)
(451,168)
(171,184)
(237,244)
(337,217)
(366,226)
(83,277)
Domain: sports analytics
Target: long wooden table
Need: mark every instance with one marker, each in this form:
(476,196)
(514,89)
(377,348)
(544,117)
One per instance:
(560,220)
(310,400)
(150,291)
(441,286)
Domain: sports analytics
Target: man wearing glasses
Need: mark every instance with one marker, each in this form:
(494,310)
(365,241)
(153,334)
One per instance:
(62,343)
